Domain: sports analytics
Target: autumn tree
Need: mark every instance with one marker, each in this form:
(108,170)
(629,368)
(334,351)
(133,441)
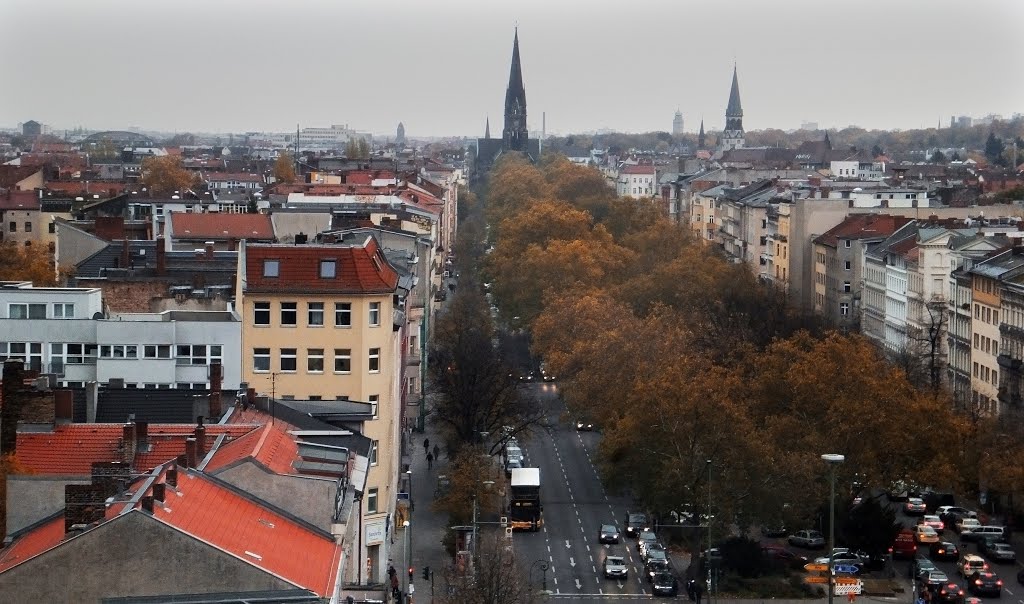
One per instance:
(164,176)
(284,168)
(511,184)
(27,263)
(497,576)
(477,395)
(472,476)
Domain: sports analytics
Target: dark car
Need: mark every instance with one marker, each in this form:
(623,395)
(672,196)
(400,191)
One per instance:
(997,551)
(637,522)
(944,550)
(665,584)
(985,583)
(609,533)
(653,567)
(644,538)
(950,593)
(584,425)
(774,529)
(921,563)
(782,557)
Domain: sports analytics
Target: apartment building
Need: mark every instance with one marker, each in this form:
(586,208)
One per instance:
(322,322)
(987,279)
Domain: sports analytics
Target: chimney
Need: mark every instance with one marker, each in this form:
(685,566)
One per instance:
(301,238)
(161,256)
(63,406)
(147,503)
(159,491)
(142,437)
(172,473)
(92,397)
(216,373)
(190,452)
(200,435)
(125,254)
(128,442)
(209,250)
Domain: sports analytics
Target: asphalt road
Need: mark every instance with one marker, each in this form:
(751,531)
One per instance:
(575,506)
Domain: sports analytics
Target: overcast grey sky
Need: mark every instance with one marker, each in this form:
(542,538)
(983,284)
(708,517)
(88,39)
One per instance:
(441,66)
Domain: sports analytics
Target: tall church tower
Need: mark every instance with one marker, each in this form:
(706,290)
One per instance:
(700,135)
(732,136)
(515,135)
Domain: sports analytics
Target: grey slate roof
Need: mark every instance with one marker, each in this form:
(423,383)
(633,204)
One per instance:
(156,406)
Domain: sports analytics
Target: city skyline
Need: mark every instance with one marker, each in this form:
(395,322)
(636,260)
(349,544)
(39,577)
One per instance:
(441,69)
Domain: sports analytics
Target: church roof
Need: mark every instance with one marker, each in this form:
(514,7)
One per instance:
(735,109)
(515,76)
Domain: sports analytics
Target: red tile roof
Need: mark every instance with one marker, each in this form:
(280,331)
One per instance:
(70,449)
(862,226)
(366,177)
(637,169)
(361,269)
(33,543)
(221,226)
(271,445)
(227,520)
(80,187)
(12,175)
(19,200)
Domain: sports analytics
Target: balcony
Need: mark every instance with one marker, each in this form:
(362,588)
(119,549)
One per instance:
(413,358)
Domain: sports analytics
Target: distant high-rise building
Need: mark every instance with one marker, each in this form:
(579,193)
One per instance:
(809,126)
(400,135)
(732,136)
(31,129)
(677,123)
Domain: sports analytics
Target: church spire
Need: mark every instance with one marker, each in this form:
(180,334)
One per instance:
(700,135)
(735,109)
(828,143)
(515,133)
(487,128)
(732,136)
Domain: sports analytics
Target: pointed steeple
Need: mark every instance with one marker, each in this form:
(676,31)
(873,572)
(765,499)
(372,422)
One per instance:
(487,128)
(700,135)
(735,109)
(828,143)
(515,134)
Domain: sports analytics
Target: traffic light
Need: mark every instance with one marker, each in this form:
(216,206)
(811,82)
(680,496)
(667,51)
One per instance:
(426,573)
(410,574)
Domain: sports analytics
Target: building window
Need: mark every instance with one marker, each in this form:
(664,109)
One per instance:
(374,314)
(315,314)
(371,500)
(53,228)
(261,359)
(328,269)
(413,345)
(27,311)
(374,404)
(29,352)
(288,359)
(847,242)
(844,309)
(373,453)
(289,313)
(374,360)
(271,268)
(847,287)
(119,351)
(261,313)
(156,351)
(64,354)
(63,311)
(315,360)
(847,265)
(342,360)
(14,227)
(343,314)
(198,354)
(28,227)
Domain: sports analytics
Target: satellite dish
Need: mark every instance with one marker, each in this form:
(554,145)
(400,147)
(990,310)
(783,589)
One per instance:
(98,315)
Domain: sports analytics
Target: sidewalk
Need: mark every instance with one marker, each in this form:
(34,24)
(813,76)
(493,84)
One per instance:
(426,527)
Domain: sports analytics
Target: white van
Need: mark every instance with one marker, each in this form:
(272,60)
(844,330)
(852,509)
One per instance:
(982,533)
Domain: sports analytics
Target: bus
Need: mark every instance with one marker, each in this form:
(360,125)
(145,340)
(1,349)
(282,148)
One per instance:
(524,509)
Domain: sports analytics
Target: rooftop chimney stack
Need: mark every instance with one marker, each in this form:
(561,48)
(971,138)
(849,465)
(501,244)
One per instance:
(209,250)
(159,491)
(172,474)
(216,376)
(128,442)
(63,407)
(161,256)
(147,503)
(190,452)
(142,437)
(200,438)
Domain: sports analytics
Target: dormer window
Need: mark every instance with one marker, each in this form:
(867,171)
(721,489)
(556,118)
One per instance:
(328,269)
(271,268)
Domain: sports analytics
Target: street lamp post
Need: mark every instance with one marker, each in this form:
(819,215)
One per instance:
(543,564)
(833,460)
(408,554)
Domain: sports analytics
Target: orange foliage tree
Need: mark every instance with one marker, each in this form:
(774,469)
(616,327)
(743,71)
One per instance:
(27,263)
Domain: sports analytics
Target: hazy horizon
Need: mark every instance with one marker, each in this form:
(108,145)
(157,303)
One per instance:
(441,68)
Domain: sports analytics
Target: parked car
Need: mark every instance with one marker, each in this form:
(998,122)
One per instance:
(933,521)
(997,551)
(665,584)
(775,529)
(914,506)
(615,567)
(843,557)
(925,534)
(809,539)
(609,533)
(951,513)
(966,523)
(782,556)
(944,550)
(970,564)
(636,522)
(985,582)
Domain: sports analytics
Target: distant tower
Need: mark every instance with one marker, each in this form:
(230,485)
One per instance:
(400,136)
(677,123)
(487,128)
(700,135)
(732,136)
(515,134)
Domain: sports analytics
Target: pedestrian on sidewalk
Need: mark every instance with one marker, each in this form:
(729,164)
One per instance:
(430,461)
(437,452)
(426,446)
